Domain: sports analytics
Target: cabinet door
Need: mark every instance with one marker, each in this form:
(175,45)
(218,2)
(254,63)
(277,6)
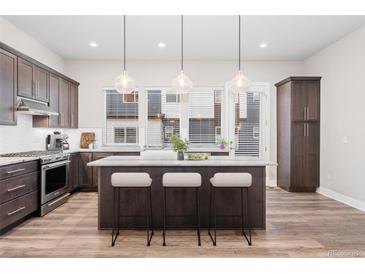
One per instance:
(54,88)
(74,172)
(64,106)
(73,106)
(25,78)
(298,100)
(41,84)
(8,90)
(311,148)
(85,172)
(298,133)
(313,100)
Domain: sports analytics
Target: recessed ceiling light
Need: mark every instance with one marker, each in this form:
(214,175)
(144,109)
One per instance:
(263,45)
(93,44)
(161,45)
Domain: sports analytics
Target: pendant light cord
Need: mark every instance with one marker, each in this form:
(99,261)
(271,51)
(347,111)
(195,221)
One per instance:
(182,42)
(124,43)
(239,42)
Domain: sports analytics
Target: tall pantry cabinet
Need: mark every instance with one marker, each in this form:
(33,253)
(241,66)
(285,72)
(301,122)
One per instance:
(298,127)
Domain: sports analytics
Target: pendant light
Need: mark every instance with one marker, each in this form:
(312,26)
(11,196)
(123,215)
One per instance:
(123,83)
(182,84)
(239,82)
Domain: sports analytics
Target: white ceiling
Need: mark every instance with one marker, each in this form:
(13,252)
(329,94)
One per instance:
(206,37)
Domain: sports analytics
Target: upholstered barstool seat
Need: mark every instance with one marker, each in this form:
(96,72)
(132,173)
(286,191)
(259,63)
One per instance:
(231,180)
(181,179)
(131,179)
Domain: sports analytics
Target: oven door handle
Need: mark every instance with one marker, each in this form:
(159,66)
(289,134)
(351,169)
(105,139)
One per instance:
(49,166)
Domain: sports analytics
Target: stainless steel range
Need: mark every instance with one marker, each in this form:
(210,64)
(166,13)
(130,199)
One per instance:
(54,166)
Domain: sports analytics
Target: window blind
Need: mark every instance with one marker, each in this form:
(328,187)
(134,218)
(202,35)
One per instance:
(163,118)
(248,124)
(204,116)
(121,124)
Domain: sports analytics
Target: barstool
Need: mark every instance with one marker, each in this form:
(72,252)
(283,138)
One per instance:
(181,180)
(131,180)
(230,180)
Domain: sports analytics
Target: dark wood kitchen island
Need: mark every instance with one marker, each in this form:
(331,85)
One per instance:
(180,202)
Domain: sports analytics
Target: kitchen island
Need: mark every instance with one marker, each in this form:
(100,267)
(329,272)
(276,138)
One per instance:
(181,202)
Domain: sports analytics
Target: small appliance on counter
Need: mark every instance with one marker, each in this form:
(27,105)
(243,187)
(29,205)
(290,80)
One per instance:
(57,141)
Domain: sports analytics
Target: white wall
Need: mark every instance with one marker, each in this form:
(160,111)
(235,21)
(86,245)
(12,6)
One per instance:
(342,67)
(94,75)
(16,38)
(24,137)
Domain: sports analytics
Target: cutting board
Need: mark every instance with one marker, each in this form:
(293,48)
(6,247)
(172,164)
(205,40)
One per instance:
(86,139)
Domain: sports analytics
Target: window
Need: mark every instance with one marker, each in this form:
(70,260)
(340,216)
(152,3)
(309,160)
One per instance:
(121,118)
(125,135)
(172,98)
(197,116)
(204,116)
(250,127)
(163,117)
(130,98)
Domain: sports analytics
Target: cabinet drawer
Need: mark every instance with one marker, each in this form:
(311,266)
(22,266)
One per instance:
(18,208)
(15,187)
(18,169)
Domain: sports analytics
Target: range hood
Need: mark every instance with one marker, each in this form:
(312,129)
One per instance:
(32,107)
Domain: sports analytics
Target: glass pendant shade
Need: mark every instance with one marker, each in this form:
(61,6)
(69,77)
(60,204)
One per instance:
(124,83)
(239,83)
(182,84)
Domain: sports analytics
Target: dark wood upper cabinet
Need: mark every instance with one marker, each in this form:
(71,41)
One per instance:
(41,84)
(305,100)
(8,88)
(25,78)
(73,106)
(54,91)
(298,127)
(33,81)
(64,104)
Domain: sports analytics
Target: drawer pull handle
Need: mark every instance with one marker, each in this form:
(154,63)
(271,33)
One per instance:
(16,211)
(15,171)
(15,188)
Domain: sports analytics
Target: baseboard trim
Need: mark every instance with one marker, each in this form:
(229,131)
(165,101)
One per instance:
(271,183)
(342,198)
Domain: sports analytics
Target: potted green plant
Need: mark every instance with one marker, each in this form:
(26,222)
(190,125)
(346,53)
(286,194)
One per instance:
(180,146)
(221,143)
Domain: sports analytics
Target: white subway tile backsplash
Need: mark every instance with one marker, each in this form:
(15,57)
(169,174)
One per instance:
(23,137)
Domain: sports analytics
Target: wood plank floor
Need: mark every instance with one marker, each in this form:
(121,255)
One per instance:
(298,225)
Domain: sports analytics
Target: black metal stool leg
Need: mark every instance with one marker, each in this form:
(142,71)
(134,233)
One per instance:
(164,216)
(151,215)
(247,215)
(212,203)
(116,213)
(147,218)
(198,214)
(210,210)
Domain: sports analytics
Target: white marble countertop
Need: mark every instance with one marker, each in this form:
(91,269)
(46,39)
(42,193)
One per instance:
(140,161)
(15,160)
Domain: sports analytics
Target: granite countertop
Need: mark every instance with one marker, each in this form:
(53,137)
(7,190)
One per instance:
(15,160)
(141,161)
